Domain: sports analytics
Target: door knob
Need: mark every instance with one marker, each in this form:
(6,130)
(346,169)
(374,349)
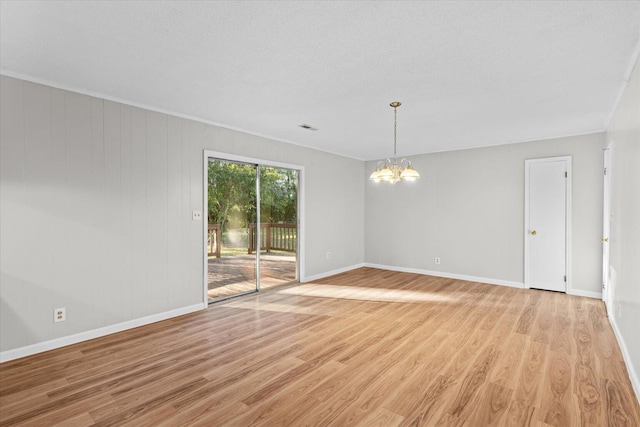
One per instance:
(604,239)
(533,232)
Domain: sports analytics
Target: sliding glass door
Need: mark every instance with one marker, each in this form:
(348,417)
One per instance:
(252,235)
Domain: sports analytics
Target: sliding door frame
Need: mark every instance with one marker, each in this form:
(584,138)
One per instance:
(207,155)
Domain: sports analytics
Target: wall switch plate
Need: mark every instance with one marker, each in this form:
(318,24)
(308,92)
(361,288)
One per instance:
(59,315)
(196,215)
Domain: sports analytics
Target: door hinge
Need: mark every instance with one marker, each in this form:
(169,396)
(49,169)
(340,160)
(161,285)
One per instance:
(605,171)
(566,175)
(565,278)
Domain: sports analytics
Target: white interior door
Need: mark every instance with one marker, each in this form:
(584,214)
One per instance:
(606,227)
(546,223)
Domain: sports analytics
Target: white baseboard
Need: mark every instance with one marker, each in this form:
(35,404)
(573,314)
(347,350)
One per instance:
(633,375)
(29,350)
(448,275)
(330,273)
(588,294)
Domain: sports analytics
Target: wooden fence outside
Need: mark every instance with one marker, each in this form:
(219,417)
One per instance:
(277,237)
(214,240)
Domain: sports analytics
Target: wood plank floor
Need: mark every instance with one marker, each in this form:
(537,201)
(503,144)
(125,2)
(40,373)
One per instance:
(368,347)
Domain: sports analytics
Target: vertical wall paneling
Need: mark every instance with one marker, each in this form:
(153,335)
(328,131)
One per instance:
(195,203)
(139,217)
(175,241)
(97,268)
(15,296)
(81,302)
(185,211)
(60,194)
(127,309)
(113,238)
(37,214)
(157,211)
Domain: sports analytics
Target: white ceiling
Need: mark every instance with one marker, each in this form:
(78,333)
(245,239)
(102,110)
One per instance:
(468,74)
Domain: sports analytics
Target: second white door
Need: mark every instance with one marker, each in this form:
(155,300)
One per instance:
(546,223)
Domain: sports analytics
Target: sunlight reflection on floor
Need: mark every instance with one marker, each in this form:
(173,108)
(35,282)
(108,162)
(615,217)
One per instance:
(269,306)
(364,294)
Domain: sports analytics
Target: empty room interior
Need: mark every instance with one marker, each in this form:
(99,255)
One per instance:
(319,213)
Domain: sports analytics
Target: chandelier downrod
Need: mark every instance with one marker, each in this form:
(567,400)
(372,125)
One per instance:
(395,106)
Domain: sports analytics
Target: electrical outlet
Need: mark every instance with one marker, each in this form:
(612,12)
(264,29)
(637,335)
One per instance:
(328,255)
(59,315)
(437,260)
(196,215)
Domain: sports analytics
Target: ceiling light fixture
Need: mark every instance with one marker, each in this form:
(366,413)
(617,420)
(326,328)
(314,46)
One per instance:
(390,170)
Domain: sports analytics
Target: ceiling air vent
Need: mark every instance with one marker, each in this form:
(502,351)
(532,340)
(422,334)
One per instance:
(308,127)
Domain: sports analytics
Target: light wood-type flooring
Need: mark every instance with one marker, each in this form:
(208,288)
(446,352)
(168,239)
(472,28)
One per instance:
(368,347)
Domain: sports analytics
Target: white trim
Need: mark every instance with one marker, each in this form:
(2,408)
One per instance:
(69,88)
(518,141)
(17,353)
(254,160)
(208,154)
(331,273)
(205,229)
(486,280)
(31,79)
(489,281)
(301,222)
(581,293)
(625,81)
(258,229)
(569,224)
(568,218)
(628,361)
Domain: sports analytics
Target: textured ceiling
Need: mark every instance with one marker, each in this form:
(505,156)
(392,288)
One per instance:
(468,74)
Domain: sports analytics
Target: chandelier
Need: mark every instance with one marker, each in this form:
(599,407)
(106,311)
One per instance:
(390,170)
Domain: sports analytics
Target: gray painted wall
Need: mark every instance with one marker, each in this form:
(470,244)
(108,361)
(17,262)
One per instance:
(95,210)
(624,131)
(468,209)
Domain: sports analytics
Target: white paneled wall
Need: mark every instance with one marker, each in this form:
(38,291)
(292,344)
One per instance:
(88,187)
(95,213)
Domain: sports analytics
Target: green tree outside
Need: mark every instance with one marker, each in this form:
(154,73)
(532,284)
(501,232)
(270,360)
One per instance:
(232,195)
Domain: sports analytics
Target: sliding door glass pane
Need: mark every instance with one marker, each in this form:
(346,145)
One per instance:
(278,229)
(231,215)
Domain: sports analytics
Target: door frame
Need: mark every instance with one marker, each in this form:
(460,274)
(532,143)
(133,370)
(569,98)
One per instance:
(300,257)
(607,160)
(527,236)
